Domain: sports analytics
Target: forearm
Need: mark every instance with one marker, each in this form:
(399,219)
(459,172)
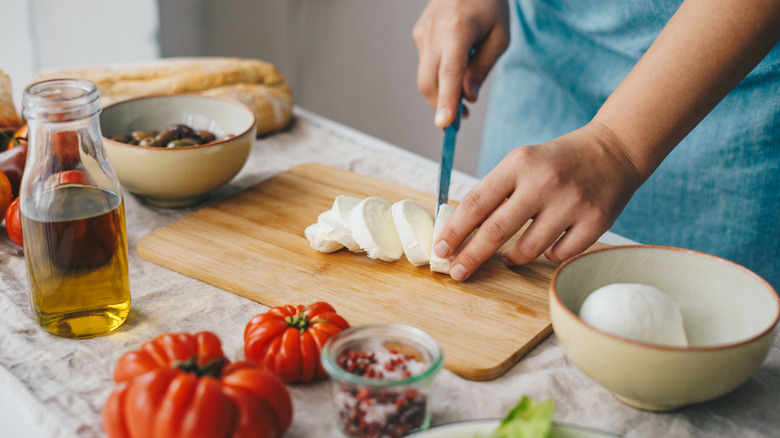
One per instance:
(704,51)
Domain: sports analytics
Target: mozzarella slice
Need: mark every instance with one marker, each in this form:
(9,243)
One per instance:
(333,228)
(374,230)
(439,264)
(320,240)
(415,229)
(342,207)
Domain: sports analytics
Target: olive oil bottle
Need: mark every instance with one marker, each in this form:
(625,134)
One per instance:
(73,219)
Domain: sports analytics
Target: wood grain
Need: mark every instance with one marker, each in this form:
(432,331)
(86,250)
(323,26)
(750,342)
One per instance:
(253,245)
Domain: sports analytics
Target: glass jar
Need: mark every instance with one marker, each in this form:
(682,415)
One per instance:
(382,377)
(72,211)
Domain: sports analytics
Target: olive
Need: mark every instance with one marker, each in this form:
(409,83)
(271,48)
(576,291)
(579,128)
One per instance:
(183,131)
(140,135)
(205,136)
(149,142)
(181,143)
(122,138)
(167,136)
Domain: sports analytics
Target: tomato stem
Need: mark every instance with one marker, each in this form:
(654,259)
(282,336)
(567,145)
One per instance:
(212,368)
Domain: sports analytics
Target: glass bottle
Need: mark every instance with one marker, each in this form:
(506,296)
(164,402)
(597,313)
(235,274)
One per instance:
(72,210)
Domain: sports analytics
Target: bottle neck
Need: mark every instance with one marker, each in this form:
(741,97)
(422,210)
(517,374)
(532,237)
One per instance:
(60,101)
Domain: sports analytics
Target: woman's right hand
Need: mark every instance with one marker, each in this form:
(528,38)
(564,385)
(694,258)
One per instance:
(445,33)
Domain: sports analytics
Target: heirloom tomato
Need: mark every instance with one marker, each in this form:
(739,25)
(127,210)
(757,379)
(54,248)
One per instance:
(288,340)
(181,385)
(13,222)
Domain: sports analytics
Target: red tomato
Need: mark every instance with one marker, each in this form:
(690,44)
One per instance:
(6,194)
(72,177)
(13,222)
(288,340)
(180,385)
(65,146)
(166,351)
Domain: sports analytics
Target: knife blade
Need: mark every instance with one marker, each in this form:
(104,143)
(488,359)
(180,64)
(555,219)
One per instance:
(447,157)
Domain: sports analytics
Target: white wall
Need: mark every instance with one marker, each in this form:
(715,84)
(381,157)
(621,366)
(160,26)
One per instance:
(65,33)
(353,61)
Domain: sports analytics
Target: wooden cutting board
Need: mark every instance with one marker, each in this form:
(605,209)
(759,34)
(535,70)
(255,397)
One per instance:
(253,245)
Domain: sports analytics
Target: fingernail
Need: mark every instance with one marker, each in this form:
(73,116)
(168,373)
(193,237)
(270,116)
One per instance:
(475,89)
(458,272)
(442,249)
(442,117)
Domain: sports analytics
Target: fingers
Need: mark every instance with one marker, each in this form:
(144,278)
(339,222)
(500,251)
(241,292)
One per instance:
(542,233)
(452,69)
(486,205)
(576,240)
(483,61)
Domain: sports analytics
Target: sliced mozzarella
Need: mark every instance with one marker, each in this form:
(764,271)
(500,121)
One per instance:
(335,230)
(320,240)
(342,207)
(415,229)
(374,230)
(439,264)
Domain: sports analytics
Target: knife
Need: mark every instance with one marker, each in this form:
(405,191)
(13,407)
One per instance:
(447,156)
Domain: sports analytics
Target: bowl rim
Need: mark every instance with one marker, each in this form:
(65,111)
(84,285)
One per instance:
(234,102)
(715,347)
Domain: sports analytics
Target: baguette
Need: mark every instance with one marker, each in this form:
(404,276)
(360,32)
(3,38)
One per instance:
(256,83)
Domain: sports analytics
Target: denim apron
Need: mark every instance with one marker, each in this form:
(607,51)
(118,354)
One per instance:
(719,190)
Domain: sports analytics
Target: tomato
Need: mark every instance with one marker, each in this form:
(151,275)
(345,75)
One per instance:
(6,194)
(181,385)
(65,146)
(72,177)
(288,340)
(13,222)
(166,351)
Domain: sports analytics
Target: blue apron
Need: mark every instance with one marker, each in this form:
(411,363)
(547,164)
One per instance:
(717,192)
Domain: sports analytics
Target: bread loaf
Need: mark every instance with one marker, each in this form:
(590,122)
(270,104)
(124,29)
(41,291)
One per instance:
(256,83)
(9,117)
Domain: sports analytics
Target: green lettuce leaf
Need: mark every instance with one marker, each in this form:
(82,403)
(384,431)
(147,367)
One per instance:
(528,419)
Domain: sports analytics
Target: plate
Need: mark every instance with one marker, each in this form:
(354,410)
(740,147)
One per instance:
(482,428)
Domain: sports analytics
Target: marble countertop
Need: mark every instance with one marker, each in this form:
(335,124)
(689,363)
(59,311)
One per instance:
(60,385)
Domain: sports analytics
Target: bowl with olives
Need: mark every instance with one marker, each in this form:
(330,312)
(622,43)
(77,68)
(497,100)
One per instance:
(174,150)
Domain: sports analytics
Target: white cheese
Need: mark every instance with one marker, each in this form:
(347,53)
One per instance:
(374,230)
(635,311)
(320,240)
(439,264)
(333,228)
(342,207)
(415,229)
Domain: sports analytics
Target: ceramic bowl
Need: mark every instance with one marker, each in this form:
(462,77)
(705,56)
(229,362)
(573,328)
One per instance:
(181,176)
(729,313)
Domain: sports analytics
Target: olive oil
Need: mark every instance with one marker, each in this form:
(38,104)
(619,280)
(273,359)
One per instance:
(76,250)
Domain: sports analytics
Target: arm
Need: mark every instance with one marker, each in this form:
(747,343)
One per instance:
(575,186)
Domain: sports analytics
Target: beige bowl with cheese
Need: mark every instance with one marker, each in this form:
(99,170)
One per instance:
(180,176)
(729,314)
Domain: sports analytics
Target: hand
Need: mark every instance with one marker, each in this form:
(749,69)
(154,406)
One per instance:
(445,33)
(571,188)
